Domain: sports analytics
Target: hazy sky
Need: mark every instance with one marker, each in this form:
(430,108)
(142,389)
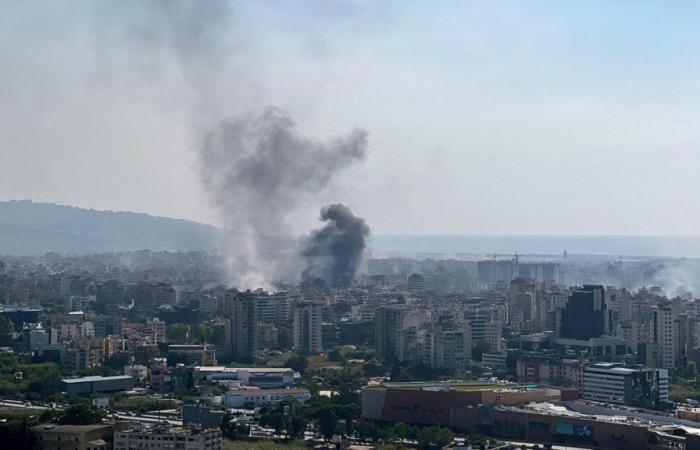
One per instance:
(483,117)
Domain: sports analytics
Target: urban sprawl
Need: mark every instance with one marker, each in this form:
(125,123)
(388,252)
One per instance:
(153,350)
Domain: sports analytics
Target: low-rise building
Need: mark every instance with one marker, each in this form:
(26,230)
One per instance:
(163,437)
(193,354)
(137,371)
(94,384)
(247,396)
(496,361)
(633,386)
(78,437)
(549,369)
(263,377)
(202,416)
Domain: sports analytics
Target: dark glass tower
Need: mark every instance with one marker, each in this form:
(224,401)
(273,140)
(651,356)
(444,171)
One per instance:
(584,315)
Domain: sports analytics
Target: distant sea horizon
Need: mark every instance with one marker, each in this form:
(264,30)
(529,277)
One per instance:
(554,245)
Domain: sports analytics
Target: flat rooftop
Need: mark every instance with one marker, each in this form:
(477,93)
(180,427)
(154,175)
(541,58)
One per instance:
(455,385)
(551,409)
(96,378)
(243,369)
(50,427)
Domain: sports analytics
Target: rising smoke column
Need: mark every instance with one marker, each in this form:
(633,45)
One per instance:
(257,170)
(334,252)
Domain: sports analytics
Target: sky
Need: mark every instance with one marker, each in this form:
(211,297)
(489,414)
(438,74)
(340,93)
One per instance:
(483,117)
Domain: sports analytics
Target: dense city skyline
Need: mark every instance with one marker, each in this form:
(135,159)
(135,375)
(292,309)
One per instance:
(349,225)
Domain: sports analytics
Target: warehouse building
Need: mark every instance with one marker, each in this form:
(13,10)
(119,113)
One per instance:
(263,377)
(95,384)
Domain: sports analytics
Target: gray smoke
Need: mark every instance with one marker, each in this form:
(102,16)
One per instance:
(334,252)
(256,169)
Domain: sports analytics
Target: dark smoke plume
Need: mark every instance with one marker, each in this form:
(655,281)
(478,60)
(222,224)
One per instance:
(257,170)
(334,252)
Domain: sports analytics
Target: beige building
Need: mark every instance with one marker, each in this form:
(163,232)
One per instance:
(307,328)
(162,437)
(73,437)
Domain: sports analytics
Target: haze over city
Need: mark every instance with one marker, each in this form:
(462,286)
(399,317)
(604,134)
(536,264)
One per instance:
(349,225)
(482,117)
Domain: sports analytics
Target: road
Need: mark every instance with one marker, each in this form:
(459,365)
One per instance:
(554,447)
(19,404)
(122,415)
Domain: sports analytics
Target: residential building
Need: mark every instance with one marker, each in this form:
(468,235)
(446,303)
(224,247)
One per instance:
(241,330)
(451,348)
(156,329)
(388,322)
(163,437)
(416,283)
(308,337)
(664,337)
(194,354)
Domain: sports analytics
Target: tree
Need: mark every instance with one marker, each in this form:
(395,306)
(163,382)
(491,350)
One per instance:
(177,333)
(6,326)
(43,379)
(400,430)
(367,431)
(479,349)
(434,438)
(285,339)
(81,412)
(336,356)
(297,427)
(118,360)
(373,368)
(327,422)
(202,333)
(16,433)
(276,421)
(297,363)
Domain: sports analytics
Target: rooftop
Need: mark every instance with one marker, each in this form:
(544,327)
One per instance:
(455,385)
(167,429)
(550,409)
(96,378)
(242,369)
(51,427)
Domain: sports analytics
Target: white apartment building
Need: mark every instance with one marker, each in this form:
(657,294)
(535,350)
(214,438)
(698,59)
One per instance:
(664,337)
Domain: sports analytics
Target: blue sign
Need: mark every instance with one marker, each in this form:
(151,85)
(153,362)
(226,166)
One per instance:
(583,432)
(565,428)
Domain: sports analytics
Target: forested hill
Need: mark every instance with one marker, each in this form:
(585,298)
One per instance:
(28,228)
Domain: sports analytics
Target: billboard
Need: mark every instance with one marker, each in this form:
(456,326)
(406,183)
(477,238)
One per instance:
(565,429)
(582,432)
